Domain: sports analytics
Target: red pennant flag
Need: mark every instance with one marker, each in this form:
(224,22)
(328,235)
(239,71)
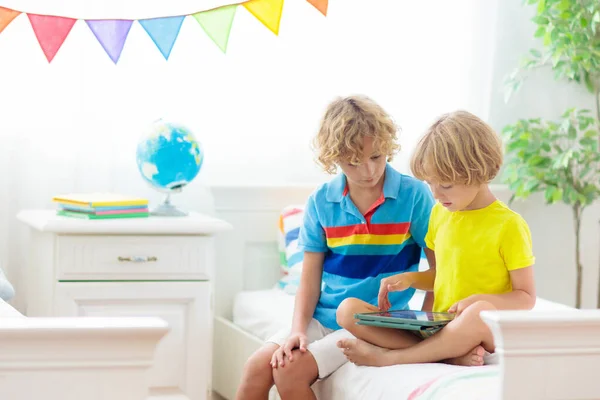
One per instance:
(320,5)
(51,32)
(6,17)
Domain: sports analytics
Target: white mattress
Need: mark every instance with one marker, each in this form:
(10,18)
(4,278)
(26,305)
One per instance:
(263,313)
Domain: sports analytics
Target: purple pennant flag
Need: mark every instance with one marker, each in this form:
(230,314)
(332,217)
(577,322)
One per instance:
(111,33)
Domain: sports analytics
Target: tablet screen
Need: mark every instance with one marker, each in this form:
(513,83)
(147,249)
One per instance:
(415,315)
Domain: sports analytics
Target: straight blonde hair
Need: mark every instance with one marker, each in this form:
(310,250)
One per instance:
(458,148)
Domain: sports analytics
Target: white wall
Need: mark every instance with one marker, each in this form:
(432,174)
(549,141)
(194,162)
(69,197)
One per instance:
(541,96)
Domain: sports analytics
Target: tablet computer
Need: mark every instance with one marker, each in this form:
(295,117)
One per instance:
(405,319)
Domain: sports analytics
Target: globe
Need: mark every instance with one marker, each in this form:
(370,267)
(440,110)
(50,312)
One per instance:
(169,157)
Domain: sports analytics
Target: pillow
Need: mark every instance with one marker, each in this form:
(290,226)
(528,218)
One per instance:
(290,221)
(7,292)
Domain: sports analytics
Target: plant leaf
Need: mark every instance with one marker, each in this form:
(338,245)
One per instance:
(541,6)
(588,82)
(536,53)
(540,32)
(591,134)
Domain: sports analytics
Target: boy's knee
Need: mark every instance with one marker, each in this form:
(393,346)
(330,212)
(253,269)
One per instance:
(473,311)
(258,367)
(303,371)
(344,314)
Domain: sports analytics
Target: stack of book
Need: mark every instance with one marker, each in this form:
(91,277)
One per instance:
(101,206)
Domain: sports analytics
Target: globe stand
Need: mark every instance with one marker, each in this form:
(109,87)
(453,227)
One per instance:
(166,209)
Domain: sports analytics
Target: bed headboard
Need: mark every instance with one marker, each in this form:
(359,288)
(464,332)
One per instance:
(247,256)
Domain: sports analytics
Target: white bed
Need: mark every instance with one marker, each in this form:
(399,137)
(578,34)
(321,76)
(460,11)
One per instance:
(76,358)
(263,312)
(550,353)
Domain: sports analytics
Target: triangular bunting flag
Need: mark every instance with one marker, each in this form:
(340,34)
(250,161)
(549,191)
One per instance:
(320,5)
(6,17)
(163,32)
(50,32)
(111,33)
(217,24)
(266,11)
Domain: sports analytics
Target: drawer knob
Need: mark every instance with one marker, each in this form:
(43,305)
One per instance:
(138,259)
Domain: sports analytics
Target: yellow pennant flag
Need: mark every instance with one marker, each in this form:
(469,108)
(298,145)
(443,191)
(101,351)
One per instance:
(266,11)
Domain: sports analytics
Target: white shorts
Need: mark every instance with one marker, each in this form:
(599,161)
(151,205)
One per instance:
(322,345)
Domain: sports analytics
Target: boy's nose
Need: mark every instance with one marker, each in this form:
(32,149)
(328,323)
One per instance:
(436,195)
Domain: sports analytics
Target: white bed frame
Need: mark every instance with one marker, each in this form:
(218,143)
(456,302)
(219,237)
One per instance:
(76,358)
(543,355)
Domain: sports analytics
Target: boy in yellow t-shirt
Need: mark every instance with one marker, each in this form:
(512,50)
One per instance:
(483,253)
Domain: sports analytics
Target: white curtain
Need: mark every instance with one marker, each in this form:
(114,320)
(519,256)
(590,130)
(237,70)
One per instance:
(73,125)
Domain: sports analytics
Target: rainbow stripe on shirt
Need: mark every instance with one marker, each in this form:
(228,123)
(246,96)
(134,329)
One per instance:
(345,239)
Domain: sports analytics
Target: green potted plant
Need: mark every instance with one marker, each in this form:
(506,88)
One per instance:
(560,158)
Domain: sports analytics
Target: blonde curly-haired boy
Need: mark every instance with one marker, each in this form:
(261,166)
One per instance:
(484,258)
(366,224)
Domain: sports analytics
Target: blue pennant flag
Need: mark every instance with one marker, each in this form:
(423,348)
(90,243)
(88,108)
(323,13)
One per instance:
(163,32)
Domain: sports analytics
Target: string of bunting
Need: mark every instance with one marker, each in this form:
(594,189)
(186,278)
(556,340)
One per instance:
(51,31)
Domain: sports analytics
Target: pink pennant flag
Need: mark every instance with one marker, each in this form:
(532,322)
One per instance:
(50,32)
(111,34)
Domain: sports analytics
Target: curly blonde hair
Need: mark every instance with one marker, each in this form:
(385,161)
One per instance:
(345,123)
(458,148)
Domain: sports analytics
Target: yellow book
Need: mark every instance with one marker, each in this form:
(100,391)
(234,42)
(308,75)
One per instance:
(99,199)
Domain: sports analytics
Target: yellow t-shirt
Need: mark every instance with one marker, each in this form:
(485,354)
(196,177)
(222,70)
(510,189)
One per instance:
(475,250)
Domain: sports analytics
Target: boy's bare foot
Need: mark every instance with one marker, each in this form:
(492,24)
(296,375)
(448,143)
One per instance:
(473,358)
(360,352)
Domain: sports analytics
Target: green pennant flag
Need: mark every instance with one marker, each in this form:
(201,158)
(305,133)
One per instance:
(217,24)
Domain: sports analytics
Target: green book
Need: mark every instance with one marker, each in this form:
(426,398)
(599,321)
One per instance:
(75,214)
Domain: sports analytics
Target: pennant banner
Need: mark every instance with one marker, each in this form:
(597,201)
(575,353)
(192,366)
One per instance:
(51,30)
(163,32)
(6,17)
(217,24)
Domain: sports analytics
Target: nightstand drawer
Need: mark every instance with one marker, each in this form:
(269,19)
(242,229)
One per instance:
(138,258)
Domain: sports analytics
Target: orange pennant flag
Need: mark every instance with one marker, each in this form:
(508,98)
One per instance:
(6,17)
(320,5)
(266,11)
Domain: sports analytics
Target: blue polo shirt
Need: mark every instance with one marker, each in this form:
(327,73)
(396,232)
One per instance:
(360,250)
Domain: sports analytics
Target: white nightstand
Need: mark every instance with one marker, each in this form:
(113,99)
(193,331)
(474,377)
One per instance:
(153,266)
